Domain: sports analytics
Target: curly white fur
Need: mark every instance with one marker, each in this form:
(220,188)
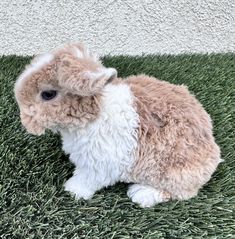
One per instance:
(144,195)
(103,152)
(148,132)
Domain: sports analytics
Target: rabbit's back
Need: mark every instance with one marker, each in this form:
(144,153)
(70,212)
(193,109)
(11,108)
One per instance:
(176,148)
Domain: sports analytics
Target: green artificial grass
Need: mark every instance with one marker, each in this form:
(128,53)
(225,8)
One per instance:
(34,169)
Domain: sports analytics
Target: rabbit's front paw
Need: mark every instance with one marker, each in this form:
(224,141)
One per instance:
(74,186)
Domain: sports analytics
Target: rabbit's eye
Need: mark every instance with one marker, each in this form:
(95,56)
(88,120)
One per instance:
(49,94)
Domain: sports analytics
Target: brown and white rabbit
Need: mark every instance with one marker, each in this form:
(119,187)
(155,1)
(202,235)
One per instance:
(139,130)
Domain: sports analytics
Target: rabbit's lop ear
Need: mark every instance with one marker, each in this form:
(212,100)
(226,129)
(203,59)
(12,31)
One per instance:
(84,78)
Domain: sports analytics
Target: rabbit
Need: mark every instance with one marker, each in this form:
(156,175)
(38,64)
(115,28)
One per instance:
(148,133)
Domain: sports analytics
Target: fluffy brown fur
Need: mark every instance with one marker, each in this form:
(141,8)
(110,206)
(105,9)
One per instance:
(78,90)
(177,153)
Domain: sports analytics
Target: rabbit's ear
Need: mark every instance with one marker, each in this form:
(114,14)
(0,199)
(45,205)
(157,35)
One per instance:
(84,82)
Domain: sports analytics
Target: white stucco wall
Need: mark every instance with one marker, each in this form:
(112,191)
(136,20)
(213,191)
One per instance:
(118,27)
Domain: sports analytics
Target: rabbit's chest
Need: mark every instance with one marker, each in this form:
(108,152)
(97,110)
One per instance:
(108,144)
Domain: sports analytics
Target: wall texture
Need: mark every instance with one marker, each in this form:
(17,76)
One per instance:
(118,26)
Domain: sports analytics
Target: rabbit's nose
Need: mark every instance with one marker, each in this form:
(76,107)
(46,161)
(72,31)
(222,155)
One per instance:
(32,110)
(28,110)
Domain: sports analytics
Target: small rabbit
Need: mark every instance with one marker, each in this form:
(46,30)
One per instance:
(137,130)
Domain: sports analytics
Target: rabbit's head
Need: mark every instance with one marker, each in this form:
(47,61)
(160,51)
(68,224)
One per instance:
(61,89)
